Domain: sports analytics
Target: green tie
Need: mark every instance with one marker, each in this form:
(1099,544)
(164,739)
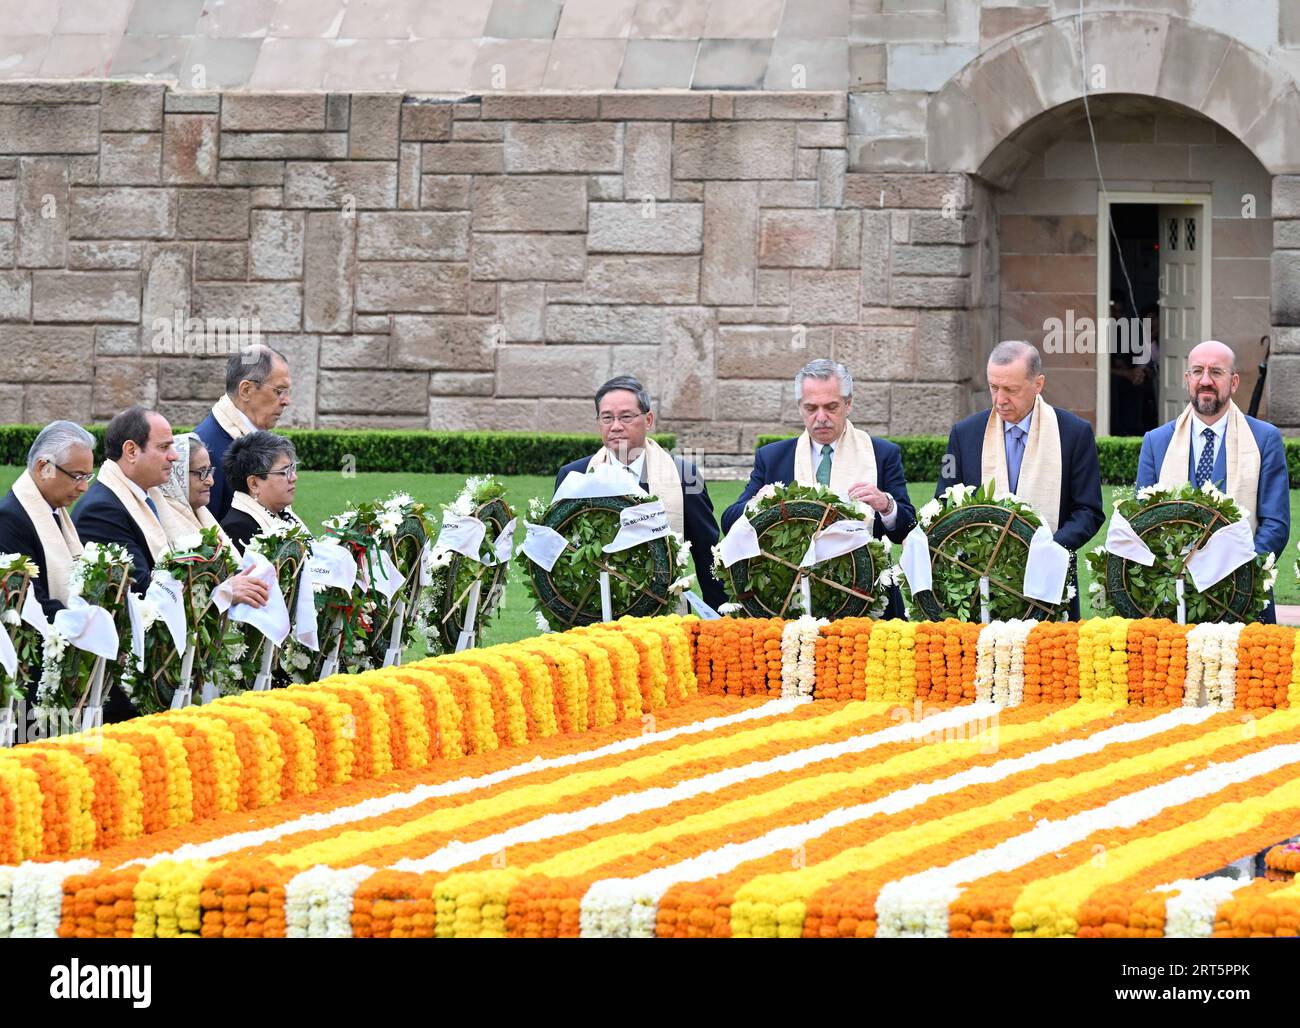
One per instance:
(824,468)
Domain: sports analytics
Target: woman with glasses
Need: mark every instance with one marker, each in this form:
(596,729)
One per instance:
(190,487)
(262,469)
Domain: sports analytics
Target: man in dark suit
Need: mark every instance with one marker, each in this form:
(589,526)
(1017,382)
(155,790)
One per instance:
(1003,441)
(833,453)
(625,420)
(125,506)
(60,465)
(257,392)
(1197,445)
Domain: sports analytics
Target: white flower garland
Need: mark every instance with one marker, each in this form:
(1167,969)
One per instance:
(1212,665)
(31,897)
(318,901)
(799,655)
(1190,913)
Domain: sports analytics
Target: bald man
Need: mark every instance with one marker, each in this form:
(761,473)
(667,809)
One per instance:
(1213,441)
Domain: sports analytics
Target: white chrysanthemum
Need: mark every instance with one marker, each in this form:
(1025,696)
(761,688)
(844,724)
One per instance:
(730,608)
(462,506)
(398,501)
(542,624)
(683,552)
(682,584)
(389,522)
(1147,492)
(930,511)
(764,493)
(149,613)
(1070,593)
(11,617)
(190,541)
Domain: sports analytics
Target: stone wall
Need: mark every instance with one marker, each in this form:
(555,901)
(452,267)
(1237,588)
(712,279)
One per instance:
(480,263)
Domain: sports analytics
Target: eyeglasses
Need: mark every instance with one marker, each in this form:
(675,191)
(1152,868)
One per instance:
(622,419)
(78,476)
(288,474)
(1218,374)
(207,474)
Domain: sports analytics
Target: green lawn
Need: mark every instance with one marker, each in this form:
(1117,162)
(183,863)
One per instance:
(324,493)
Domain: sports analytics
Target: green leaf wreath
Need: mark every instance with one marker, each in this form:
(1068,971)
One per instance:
(200,563)
(1172,521)
(644,580)
(101,576)
(785,518)
(445,600)
(975,533)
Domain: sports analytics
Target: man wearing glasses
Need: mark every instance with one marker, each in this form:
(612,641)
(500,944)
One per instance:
(625,420)
(34,517)
(1213,441)
(257,392)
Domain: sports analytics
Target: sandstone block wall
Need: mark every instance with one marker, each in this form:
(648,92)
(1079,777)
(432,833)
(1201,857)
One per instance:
(476,263)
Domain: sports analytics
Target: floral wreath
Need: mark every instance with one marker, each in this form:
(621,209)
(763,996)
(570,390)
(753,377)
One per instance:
(398,527)
(1173,523)
(644,580)
(287,546)
(16,574)
(101,576)
(785,518)
(444,604)
(974,533)
(200,563)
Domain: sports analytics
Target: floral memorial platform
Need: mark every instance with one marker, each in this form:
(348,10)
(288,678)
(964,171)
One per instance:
(675,777)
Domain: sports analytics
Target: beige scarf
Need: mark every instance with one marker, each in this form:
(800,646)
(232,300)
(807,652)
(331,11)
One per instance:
(1242,458)
(230,417)
(1040,468)
(159,532)
(266,521)
(661,476)
(195,521)
(59,546)
(853,460)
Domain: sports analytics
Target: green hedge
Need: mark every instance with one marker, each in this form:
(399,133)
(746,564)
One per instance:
(470,453)
(1118,456)
(543,453)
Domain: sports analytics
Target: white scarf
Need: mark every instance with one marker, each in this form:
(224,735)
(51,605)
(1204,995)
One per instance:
(196,520)
(266,520)
(60,542)
(159,532)
(661,476)
(853,460)
(230,418)
(1040,467)
(1242,458)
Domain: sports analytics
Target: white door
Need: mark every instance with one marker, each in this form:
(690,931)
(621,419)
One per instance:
(1182,240)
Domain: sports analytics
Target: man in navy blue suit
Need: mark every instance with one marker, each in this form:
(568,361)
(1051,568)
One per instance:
(833,453)
(625,420)
(1213,441)
(1045,455)
(257,392)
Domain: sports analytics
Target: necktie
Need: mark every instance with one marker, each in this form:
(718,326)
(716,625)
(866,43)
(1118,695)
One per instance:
(1015,454)
(824,467)
(1205,466)
(57,522)
(149,502)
